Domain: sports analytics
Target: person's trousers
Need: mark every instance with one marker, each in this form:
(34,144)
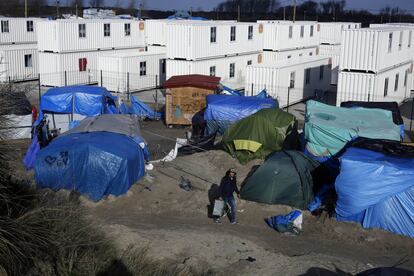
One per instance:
(233,207)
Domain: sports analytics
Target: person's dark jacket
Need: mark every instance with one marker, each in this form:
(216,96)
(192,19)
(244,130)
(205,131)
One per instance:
(228,186)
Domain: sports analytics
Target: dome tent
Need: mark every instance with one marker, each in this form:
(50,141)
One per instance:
(284,178)
(257,135)
(104,155)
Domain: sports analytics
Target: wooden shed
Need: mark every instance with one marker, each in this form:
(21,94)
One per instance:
(186,95)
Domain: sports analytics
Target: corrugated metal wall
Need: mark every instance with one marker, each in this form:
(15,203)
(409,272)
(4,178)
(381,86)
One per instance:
(12,62)
(18,32)
(331,32)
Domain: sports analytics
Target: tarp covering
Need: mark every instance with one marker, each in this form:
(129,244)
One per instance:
(143,110)
(87,100)
(391,106)
(329,128)
(261,133)
(94,164)
(284,178)
(223,110)
(184,15)
(121,124)
(376,190)
(262,94)
(231,91)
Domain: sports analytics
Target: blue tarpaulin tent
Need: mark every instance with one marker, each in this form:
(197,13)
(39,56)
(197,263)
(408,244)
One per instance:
(223,110)
(376,190)
(184,15)
(143,110)
(104,155)
(82,100)
(231,91)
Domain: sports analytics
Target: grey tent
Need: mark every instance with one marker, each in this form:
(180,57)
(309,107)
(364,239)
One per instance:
(116,123)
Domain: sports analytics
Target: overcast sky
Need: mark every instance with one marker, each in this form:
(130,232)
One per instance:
(373,5)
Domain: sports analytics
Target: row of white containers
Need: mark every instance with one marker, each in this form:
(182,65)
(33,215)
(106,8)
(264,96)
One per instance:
(196,40)
(273,56)
(18,62)
(331,32)
(375,49)
(288,35)
(60,69)
(74,35)
(390,85)
(15,30)
(290,81)
(220,67)
(334,53)
(131,71)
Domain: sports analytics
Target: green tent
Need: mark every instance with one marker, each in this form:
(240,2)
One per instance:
(258,135)
(284,178)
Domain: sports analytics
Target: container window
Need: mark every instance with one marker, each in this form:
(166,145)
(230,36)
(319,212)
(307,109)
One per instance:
(127,28)
(249,62)
(82,64)
(410,34)
(321,69)
(107,29)
(5,26)
(401,41)
(397,77)
(307,76)
(310,53)
(232,70)
(28,62)
(143,68)
(292,79)
(213,34)
(302,30)
(389,42)
(213,71)
(29,26)
(233,33)
(250,34)
(289,56)
(406,78)
(386,87)
(290,31)
(82,30)
(311,31)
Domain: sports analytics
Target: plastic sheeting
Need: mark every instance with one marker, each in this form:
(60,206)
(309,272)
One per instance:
(376,190)
(329,128)
(87,100)
(222,110)
(230,91)
(142,110)
(94,164)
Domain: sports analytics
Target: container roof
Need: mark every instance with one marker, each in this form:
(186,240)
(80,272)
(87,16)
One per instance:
(287,22)
(199,81)
(293,62)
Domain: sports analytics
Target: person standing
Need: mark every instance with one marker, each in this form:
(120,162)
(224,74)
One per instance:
(227,188)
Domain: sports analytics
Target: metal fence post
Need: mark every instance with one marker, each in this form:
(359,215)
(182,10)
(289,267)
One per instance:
(38,86)
(66,79)
(128,85)
(10,86)
(251,91)
(156,93)
(89,76)
(411,121)
(288,98)
(101,79)
(369,95)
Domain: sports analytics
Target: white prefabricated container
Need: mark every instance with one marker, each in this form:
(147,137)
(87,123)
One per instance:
(331,32)
(356,86)
(155,31)
(375,49)
(219,67)
(273,56)
(290,81)
(74,35)
(18,62)
(16,30)
(60,69)
(121,71)
(195,40)
(288,35)
(334,53)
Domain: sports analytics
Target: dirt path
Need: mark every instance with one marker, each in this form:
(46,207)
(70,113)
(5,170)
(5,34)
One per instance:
(174,224)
